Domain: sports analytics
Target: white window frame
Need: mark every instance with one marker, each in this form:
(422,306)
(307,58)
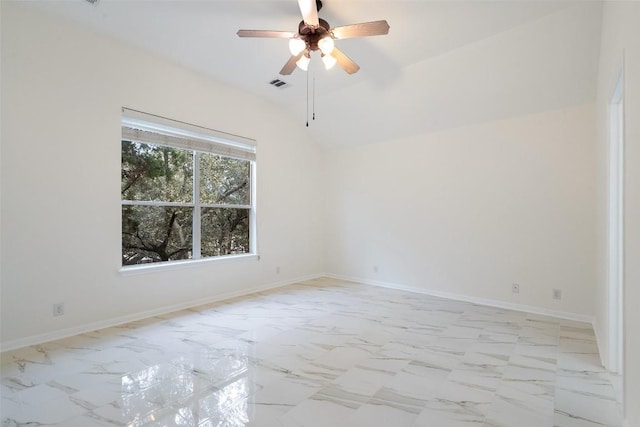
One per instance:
(156,130)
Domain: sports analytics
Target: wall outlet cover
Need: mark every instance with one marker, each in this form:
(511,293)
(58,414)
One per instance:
(58,309)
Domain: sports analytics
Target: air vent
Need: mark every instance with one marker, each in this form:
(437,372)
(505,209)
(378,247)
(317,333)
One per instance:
(93,2)
(278,83)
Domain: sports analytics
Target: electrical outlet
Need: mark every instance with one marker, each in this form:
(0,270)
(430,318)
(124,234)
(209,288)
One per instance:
(375,268)
(515,288)
(58,309)
(557,294)
(278,270)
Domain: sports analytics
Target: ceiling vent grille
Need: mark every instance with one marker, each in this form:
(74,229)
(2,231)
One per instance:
(278,83)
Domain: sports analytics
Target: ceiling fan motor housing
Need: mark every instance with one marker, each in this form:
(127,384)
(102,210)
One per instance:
(312,35)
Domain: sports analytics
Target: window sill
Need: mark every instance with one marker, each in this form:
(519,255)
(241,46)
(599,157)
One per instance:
(180,265)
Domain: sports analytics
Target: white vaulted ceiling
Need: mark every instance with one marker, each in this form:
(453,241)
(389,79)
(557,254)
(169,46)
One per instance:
(444,64)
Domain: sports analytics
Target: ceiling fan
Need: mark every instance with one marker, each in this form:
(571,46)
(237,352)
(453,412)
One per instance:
(315,34)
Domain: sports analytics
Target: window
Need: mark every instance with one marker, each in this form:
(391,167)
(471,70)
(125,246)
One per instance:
(187,192)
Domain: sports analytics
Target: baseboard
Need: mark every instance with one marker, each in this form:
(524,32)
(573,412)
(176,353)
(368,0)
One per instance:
(604,358)
(64,333)
(475,300)
(93,326)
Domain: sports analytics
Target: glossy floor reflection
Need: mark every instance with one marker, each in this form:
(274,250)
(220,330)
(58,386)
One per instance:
(319,353)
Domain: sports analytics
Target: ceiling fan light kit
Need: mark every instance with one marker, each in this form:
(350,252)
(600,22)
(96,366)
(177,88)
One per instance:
(316,34)
(326,45)
(328,61)
(303,62)
(296,46)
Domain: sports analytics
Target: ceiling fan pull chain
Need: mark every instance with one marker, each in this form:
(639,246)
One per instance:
(314,97)
(307,99)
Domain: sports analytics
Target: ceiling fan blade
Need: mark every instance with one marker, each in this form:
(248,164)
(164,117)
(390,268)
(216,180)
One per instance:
(291,64)
(266,33)
(309,12)
(375,28)
(344,61)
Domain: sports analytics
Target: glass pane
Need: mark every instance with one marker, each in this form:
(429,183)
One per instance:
(156,234)
(156,173)
(224,231)
(224,180)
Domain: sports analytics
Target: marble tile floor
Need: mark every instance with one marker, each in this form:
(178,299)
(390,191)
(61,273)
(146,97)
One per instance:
(318,353)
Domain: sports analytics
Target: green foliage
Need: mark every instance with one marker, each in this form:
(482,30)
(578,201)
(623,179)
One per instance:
(156,233)
(225,231)
(224,180)
(156,173)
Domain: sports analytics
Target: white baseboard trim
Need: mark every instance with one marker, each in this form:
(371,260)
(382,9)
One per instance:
(475,300)
(602,350)
(68,332)
(93,326)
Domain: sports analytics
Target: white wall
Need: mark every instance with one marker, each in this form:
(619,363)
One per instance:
(621,37)
(472,210)
(62,91)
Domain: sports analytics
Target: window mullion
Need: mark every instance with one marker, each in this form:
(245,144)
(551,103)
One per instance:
(154,203)
(253,235)
(224,205)
(197,249)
